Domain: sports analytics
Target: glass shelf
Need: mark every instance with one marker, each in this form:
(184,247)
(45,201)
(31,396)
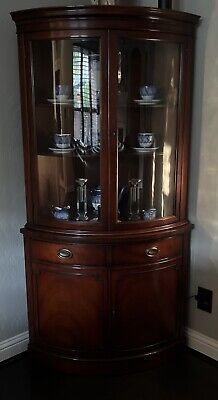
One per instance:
(71,105)
(154,103)
(71,154)
(133,153)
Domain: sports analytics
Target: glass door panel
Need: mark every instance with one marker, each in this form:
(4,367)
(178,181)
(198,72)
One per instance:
(66,75)
(148,90)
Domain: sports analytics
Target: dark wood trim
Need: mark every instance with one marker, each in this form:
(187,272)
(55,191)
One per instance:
(187,115)
(37,232)
(99,11)
(110,364)
(115,17)
(25,124)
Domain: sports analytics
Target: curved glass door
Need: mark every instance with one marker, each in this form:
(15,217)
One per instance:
(147,114)
(67,91)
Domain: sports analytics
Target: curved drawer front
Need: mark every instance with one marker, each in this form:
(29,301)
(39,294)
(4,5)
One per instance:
(147,252)
(68,254)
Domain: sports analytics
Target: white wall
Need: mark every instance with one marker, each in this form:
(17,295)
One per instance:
(203,199)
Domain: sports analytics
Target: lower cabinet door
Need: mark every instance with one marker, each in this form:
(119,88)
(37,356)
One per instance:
(144,305)
(69,306)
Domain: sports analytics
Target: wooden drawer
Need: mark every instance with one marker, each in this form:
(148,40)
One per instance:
(77,254)
(147,252)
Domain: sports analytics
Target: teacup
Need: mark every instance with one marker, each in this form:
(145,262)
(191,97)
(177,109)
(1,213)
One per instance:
(62,213)
(62,141)
(62,92)
(150,214)
(148,92)
(145,139)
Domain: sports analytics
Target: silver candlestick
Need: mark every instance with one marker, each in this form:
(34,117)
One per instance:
(81,204)
(134,200)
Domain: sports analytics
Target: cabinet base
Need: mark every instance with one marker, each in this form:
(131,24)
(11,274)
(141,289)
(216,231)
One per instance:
(106,366)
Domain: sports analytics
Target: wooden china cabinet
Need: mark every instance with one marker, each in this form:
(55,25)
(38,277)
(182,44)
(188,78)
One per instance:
(106,107)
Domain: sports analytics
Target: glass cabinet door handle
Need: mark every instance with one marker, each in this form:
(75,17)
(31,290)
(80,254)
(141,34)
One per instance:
(152,252)
(64,253)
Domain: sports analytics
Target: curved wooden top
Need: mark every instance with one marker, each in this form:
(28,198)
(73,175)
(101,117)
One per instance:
(103,11)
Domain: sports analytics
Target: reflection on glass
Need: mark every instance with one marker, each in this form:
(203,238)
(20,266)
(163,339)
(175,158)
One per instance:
(85,94)
(67,124)
(148,86)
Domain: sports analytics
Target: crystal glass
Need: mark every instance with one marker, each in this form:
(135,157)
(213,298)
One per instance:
(134,199)
(81,203)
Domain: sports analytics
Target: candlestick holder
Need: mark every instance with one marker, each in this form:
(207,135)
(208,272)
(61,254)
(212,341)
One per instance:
(134,199)
(81,204)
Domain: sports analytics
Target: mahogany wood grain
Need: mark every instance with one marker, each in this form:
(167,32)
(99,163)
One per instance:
(105,18)
(145,305)
(69,307)
(133,254)
(82,254)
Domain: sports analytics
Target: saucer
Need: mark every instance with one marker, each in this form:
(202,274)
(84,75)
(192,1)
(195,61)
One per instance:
(56,101)
(61,151)
(145,150)
(147,102)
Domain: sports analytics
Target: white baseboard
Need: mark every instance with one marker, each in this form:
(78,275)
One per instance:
(13,346)
(203,344)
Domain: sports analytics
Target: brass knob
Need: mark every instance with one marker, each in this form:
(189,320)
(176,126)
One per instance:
(64,253)
(152,252)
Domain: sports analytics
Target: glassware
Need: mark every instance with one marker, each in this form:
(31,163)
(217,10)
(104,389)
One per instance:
(134,200)
(81,203)
(62,213)
(149,215)
(96,201)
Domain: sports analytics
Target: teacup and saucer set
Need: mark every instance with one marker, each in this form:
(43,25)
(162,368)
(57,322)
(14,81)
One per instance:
(146,143)
(148,95)
(62,142)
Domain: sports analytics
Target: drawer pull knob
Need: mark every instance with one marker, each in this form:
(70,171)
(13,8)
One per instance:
(152,252)
(64,253)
